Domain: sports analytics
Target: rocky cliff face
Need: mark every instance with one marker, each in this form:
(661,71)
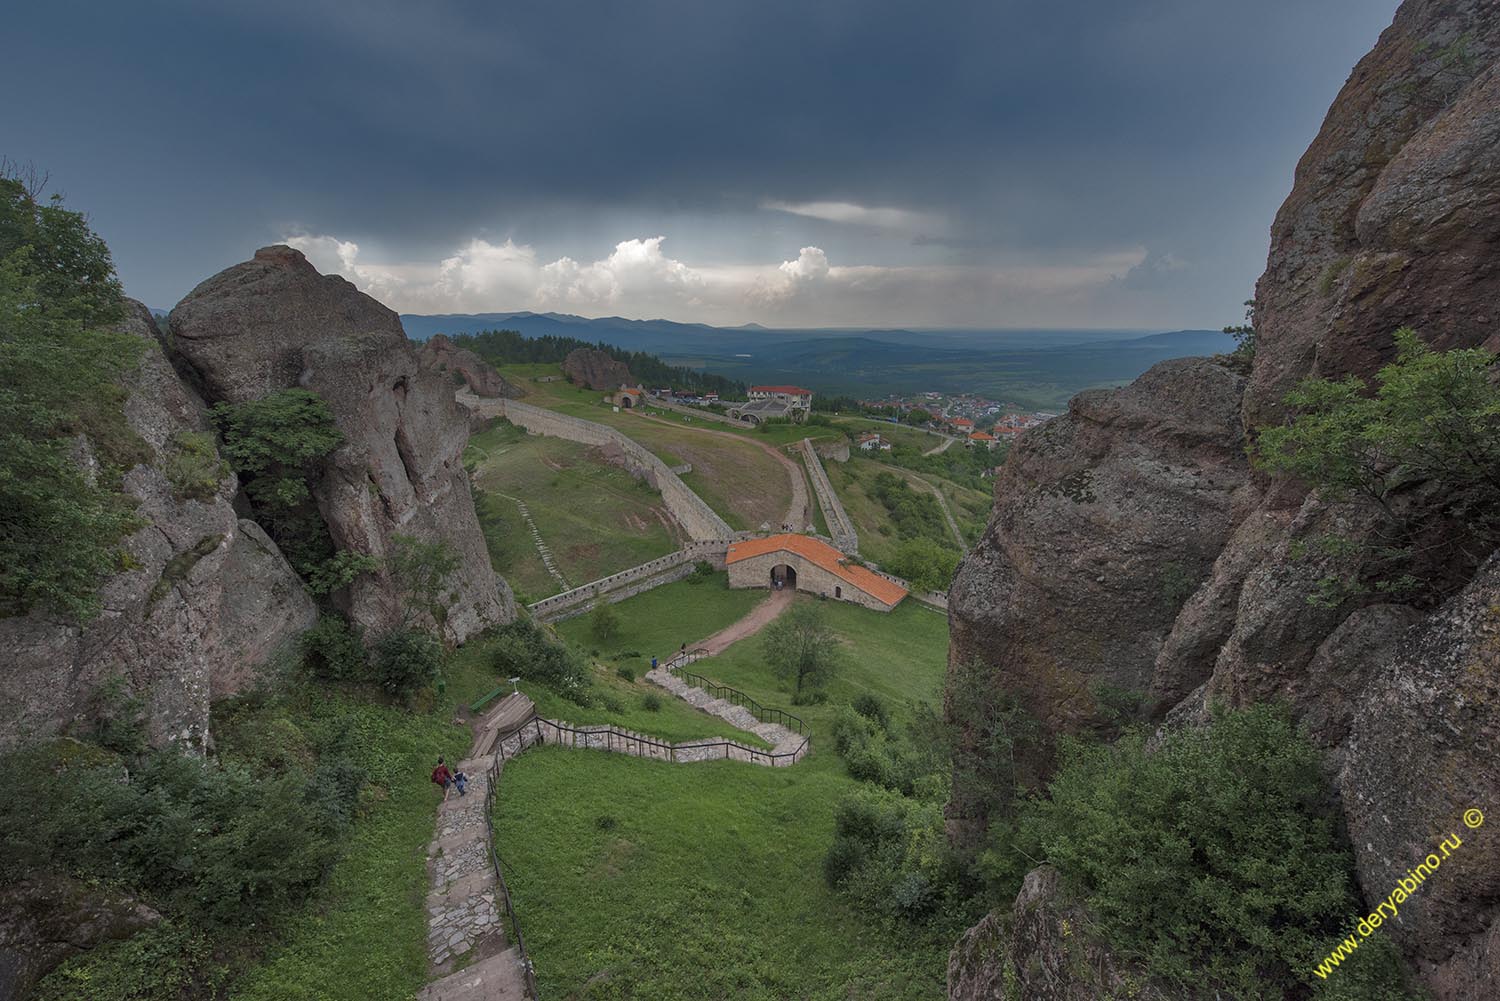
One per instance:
(1105,520)
(275,323)
(1139,552)
(441,355)
(597,370)
(208,598)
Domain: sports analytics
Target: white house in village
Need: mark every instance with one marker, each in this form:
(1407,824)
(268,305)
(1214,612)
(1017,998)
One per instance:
(872,442)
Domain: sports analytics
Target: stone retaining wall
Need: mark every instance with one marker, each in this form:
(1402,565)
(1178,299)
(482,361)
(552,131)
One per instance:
(622,585)
(697,519)
(845,539)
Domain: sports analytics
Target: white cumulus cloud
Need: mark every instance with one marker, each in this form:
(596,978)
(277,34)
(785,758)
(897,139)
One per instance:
(637,278)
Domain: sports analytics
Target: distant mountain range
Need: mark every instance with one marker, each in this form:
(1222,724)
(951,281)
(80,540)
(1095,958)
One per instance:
(1039,368)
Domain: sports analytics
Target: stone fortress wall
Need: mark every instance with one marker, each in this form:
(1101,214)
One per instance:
(845,539)
(622,585)
(697,519)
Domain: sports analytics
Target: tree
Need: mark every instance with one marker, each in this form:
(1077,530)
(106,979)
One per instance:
(276,444)
(61,402)
(1244,337)
(801,648)
(918,416)
(604,622)
(421,569)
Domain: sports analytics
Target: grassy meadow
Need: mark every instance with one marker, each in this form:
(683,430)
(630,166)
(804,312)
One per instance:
(733,475)
(642,879)
(878,536)
(595,517)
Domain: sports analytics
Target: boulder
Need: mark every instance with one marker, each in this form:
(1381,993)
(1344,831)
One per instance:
(1422,751)
(207,601)
(1106,520)
(461,364)
(47,918)
(597,370)
(274,323)
(1043,950)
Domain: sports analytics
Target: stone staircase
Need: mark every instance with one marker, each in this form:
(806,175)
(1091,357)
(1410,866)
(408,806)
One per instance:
(782,740)
(468,953)
(541,546)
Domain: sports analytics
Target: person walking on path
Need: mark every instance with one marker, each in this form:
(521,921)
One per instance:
(461,783)
(653,663)
(443,777)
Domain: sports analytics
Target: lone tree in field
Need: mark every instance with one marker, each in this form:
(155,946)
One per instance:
(604,622)
(801,648)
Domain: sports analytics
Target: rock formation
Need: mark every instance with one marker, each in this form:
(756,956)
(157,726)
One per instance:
(442,355)
(1112,514)
(46,919)
(274,323)
(1130,546)
(595,369)
(1042,951)
(207,600)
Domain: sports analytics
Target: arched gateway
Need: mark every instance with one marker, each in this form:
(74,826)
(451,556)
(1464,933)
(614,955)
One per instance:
(806,564)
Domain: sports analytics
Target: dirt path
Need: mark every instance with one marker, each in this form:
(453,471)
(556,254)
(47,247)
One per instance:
(754,621)
(947,444)
(798,514)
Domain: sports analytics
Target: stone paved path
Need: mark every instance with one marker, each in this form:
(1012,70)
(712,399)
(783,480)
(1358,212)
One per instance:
(467,950)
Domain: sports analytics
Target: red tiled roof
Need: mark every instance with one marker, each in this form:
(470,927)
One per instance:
(981,436)
(821,554)
(961,422)
(789,390)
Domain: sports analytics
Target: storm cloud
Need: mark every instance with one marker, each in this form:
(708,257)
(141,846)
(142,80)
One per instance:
(978,164)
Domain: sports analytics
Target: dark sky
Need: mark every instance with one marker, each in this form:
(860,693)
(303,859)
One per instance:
(993,164)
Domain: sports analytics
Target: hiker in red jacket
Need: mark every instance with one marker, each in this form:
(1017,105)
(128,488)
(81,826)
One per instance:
(443,777)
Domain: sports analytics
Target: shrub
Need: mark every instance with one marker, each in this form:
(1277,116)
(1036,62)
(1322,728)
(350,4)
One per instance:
(193,466)
(332,651)
(651,702)
(890,855)
(407,660)
(702,571)
(625,673)
(340,570)
(868,705)
(1434,420)
(525,649)
(1215,858)
(611,703)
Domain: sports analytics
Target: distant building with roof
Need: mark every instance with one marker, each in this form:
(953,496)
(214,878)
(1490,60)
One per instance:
(982,438)
(812,566)
(872,441)
(799,398)
(628,398)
